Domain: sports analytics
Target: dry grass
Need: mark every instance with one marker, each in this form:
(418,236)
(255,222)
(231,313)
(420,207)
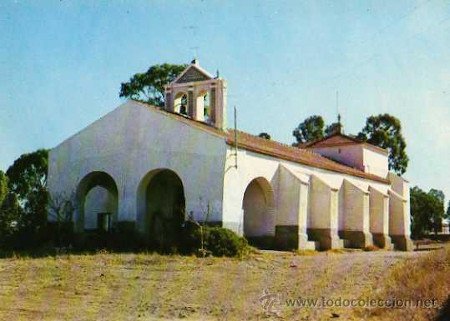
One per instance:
(424,278)
(144,286)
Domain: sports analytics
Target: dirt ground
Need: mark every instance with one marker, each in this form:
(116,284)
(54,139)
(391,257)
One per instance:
(153,287)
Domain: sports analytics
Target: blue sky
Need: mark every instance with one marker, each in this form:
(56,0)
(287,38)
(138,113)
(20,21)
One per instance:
(62,62)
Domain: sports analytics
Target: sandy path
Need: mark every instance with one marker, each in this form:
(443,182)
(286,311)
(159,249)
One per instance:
(154,287)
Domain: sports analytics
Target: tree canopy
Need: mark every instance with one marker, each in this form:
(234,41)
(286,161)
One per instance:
(312,128)
(28,182)
(3,187)
(427,211)
(333,128)
(148,87)
(381,130)
(264,135)
(9,211)
(28,173)
(385,131)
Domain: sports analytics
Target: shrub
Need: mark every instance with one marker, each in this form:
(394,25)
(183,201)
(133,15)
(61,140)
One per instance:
(120,239)
(60,233)
(191,238)
(217,241)
(224,242)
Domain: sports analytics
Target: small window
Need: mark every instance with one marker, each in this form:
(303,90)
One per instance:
(104,222)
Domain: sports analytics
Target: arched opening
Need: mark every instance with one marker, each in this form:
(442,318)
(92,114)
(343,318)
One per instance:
(180,104)
(204,106)
(97,202)
(258,206)
(161,207)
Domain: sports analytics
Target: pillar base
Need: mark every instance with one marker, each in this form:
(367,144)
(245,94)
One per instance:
(402,243)
(383,241)
(328,238)
(287,237)
(356,239)
(262,242)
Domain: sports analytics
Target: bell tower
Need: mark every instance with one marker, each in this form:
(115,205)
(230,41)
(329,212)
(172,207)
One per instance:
(198,95)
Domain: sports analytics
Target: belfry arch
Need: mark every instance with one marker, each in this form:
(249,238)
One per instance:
(181,103)
(259,211)
(198,95)
(204,106)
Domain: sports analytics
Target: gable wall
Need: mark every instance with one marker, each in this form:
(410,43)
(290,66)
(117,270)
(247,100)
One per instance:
(350,155)
(132,140)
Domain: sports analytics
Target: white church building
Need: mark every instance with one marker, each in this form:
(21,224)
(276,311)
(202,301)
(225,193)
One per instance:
(150,168)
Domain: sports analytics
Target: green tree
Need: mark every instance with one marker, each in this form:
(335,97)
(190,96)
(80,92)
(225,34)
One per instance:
(148,87)
(427,211)
(309,130)
(438,194)
(61,209)
(437,199)
(264,135)
(420,222)
(9,220)
(9,212)
(385,131)
(28,181)
(333,128)
(447,214)
(3,186)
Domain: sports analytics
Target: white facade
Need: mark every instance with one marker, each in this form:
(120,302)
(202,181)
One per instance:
(130,143)
(281,201)
(346,150)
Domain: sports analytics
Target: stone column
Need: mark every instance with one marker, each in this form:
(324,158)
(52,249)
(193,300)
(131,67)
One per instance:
(212,106)
(168,101)
(192,103)
(379,218)
(220,104)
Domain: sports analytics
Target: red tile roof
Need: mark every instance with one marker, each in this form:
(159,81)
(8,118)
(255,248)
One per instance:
(339,139)
(272,148)
(294,154)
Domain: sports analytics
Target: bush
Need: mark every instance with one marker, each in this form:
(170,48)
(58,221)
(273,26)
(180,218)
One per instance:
(217,241)
(60,233)
(224,242)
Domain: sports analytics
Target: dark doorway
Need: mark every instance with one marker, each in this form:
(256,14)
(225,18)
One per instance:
(165,209)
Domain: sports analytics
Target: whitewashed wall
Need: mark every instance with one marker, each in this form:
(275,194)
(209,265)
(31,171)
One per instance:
(358,156)
(376,163)
(134,139)
(252,165)
(351,155)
